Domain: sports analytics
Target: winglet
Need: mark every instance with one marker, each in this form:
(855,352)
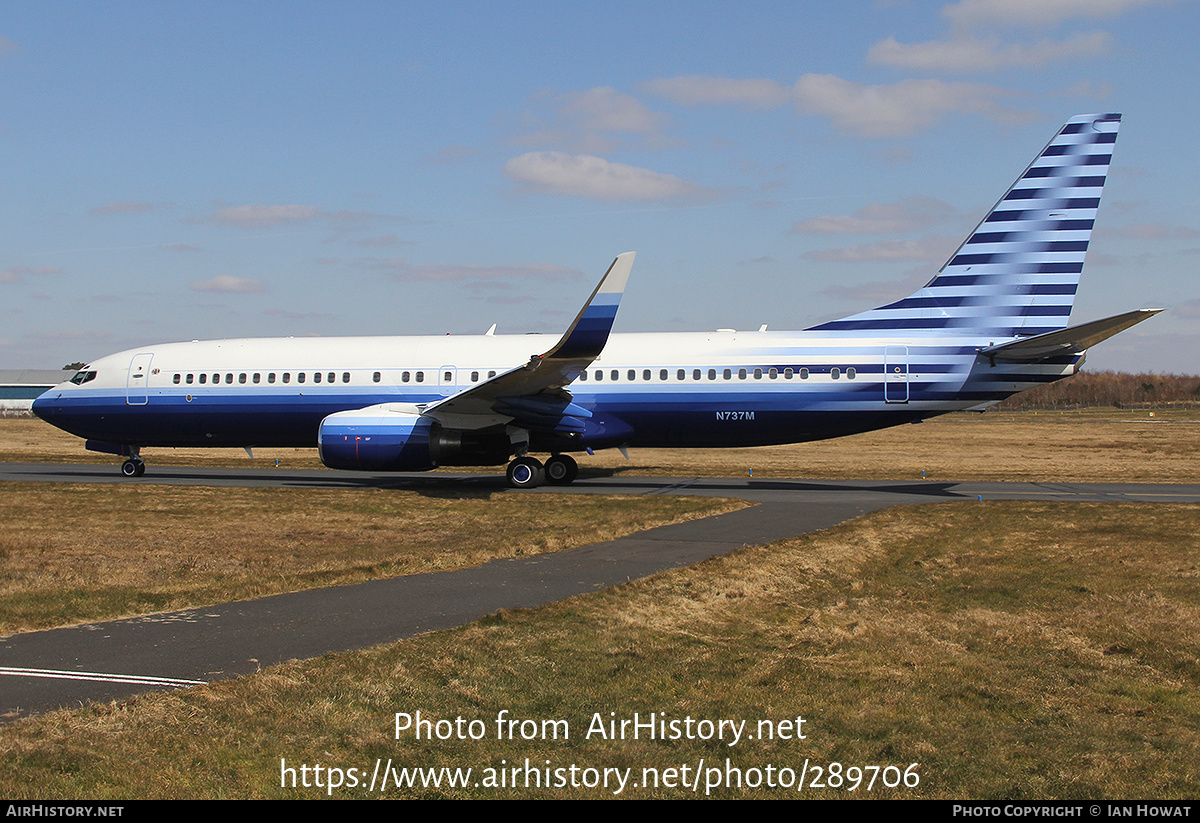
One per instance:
(587,335)
(508,395)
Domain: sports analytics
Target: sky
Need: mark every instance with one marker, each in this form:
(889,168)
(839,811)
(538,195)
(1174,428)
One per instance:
(180,171)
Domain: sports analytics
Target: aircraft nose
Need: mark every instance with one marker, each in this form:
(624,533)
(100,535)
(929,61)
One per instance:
(43,405)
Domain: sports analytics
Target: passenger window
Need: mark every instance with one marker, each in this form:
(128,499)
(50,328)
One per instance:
(646,374)
(317,377)
(804,374)
(203,378)
(712,374)
(695,374)
(376,377)
(681,374)
(242,377)
(405,377)
(787,374)
(851,374)
(271,377)
(491,374)
(599,375)
(229,377)
(728,374)
(300,377)
(449,377)
(835,373)
(420,377)
(189,379)
(615,375)
(474,377)
(216,378)
(287,377)
(758,374)
(177,379)
(583,375)
(257,377)
(773,373)
(331,378)
(345,377)
(632,375)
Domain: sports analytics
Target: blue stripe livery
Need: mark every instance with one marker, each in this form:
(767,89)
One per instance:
(992,322)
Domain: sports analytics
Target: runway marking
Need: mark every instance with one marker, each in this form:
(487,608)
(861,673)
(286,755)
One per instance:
(55,674)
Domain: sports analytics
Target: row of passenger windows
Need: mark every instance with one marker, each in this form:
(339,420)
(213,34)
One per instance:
(711,374)
(257,377)
(419,376)
(300,377)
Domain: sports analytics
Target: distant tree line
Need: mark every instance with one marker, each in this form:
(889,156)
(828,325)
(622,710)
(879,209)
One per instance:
(1108,388)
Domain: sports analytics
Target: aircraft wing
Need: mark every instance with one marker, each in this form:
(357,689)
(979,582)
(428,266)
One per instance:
(534,394)
(1071,340)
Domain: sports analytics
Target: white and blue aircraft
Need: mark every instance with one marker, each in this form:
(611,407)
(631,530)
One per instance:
(991,323)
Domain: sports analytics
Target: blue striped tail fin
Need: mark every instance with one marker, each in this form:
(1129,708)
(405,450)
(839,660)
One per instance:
(1016,275)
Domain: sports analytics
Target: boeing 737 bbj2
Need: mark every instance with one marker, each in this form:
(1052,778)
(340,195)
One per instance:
(991,323)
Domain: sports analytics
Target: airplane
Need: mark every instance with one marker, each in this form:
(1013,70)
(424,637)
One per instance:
(992,322)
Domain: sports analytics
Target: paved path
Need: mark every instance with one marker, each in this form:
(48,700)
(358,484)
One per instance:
(66,667)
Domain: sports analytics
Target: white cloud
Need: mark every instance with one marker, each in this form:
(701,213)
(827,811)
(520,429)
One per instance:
(695,89)
(878,291)
(1152,231)
(400,269)
(971,13)
(259,216)
(229,283)
(595,121)
(588,176)
(899,109)
(606,109)
(127,207)
(965,53)
(16,274)
(907,214)
(927,249)
(382,241)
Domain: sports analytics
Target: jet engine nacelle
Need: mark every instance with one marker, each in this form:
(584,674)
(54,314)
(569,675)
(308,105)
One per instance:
(396,437)
(377,438)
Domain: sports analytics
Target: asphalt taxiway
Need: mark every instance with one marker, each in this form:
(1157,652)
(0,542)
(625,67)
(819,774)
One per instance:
(103,661)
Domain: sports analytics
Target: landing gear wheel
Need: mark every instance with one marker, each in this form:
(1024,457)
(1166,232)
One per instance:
(525,473)
(133,468)
(561,469)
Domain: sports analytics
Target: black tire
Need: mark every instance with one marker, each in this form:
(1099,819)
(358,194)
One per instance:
(141,468)
(561,469)
(129,468)
(525,473)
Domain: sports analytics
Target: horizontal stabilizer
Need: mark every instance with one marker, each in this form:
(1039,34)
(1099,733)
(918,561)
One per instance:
(1068,341)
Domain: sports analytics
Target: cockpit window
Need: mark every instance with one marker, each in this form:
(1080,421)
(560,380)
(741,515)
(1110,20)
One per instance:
(82,377)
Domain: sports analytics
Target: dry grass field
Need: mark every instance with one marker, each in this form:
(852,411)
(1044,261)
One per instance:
(1006,651)
(81,552)
(1001,651)
(1089,445)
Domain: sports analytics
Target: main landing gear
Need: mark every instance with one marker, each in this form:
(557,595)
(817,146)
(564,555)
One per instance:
(528,473)
(133,467)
